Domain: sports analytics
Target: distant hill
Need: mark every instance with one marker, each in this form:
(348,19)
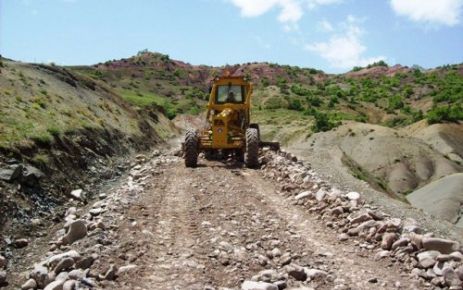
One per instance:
(379,94)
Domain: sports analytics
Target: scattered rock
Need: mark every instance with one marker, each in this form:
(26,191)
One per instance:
(95,211)
(64,264)
(78,194)
(382,254)
(55,285)
(402,242)
(77,230)
(40,275)
(297,272)
(69,285)
(442,245)
(427,259)
(388,240)
(343,237)
(373,280)
(54,260)
(20,243)
(76,274)
(314,274)
(86,262)
(125,269)
(353,195)
(30,284)
(251,285)
(302,195)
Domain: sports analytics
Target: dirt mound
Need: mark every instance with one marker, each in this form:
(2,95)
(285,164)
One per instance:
(400,163)
(444,138)
(442,198)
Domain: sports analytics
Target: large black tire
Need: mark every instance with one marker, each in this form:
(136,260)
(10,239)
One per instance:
(251,157)
(191,148)
(256,126)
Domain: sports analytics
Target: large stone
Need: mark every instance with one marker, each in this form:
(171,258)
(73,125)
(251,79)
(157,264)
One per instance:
(442,245)
(31,176)
(40,275)
(54,260)
(402,242)
(86,262)
(11,173)
(64,264)
(2,262)
(353,195)
(77,230)
(30,284)
(427,259)
(303,194)
(315,274)
(251,285)
(320,194)
(78,194)
(361,218)
(20,243)
(55,285)
(125,269)
(297,272)
(69,285)
(388,240)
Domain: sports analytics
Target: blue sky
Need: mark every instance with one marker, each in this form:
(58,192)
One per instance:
(333,35)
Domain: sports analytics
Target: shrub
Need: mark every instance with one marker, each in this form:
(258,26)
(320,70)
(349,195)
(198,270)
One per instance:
(300,91)
(314,101)
(295,104)
(395,102)
(322,122)
(450,113)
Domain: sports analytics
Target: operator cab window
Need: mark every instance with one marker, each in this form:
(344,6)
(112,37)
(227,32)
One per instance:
(230,94)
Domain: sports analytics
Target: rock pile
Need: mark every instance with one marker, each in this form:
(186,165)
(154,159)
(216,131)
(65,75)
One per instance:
(436,260)
(86,233)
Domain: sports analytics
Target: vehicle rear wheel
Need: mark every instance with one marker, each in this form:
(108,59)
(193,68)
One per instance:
(252,148)
(191,148)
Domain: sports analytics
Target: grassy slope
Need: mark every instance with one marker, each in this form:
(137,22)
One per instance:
(38,102)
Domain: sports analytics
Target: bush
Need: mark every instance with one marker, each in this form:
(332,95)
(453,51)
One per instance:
(300,91)
(322,122)
(314,101)
(450,113)
(395,102)
(295,104)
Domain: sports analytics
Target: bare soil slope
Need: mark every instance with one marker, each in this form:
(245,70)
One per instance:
(396,162)
(442,198)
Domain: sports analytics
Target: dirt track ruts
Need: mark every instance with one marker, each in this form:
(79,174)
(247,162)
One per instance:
(216,225)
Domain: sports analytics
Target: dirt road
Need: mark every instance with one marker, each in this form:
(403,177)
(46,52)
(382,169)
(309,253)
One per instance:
(220,224)
(215,227)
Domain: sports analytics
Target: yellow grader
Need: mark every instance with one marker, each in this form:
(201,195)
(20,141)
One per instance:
(229,131)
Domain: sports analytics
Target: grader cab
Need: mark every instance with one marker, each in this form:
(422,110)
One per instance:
(229,131)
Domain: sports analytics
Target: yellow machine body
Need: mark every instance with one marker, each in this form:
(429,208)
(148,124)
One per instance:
(228,120)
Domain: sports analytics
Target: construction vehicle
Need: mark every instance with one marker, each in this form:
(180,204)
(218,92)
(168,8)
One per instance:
(229,131)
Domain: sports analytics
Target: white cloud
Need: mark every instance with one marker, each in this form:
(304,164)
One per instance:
(325,26)
(314,3)
(344,50)
(291,11)
(445,12)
